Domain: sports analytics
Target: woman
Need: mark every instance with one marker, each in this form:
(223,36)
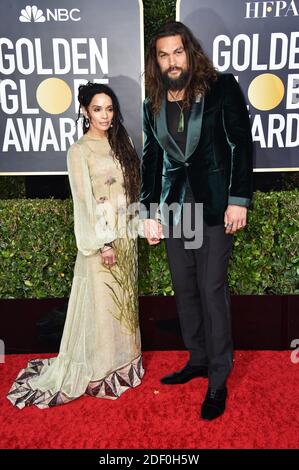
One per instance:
(100,348)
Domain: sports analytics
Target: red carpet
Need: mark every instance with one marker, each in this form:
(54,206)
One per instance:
(262,410)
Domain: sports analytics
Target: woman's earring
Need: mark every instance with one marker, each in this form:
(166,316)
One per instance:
(111,125)
(86,122)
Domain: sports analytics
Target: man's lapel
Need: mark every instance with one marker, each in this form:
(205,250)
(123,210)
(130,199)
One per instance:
(166,140)
(193,133)
(194,126)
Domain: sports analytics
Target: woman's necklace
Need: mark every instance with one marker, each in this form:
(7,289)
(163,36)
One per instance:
(181,124)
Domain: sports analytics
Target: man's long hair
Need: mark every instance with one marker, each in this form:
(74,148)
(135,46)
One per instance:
(201,70)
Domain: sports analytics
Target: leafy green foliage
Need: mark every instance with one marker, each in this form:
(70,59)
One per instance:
(156,12)
(38,250)
(12,187)
(265,257)
(286,260)
(154,275)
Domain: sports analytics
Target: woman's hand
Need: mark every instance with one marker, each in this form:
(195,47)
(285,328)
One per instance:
(108,257)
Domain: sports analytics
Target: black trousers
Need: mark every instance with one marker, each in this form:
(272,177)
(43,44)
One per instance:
(199,278)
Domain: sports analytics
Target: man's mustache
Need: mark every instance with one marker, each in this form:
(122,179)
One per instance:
(172,69)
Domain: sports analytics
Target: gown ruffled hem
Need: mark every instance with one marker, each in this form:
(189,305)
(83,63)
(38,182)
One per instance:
(112,386)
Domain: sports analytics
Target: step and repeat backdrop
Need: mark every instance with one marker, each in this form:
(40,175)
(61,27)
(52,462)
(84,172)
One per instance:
(257,41)
(48,48)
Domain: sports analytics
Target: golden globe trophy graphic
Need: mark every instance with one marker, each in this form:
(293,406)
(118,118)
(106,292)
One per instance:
(54,96)
(266,92)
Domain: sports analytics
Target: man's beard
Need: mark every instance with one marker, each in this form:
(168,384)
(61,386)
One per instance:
(175,84)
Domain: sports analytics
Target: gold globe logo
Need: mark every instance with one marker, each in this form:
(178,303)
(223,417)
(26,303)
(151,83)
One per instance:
(266,91)
(54,95)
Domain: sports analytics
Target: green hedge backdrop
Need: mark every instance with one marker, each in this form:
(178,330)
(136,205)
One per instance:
(37,250)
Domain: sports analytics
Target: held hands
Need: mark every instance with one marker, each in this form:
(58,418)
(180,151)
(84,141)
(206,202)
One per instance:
(234,218)
(153,231)
(108,257)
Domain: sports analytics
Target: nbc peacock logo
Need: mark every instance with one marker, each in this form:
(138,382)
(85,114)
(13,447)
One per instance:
(32,14)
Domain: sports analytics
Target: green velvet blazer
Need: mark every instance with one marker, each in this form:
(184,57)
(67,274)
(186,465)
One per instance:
(217,160)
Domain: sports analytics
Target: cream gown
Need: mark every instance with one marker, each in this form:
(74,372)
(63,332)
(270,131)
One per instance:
(100,348)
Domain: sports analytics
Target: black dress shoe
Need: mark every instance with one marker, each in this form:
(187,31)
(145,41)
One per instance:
(184,375)
(214,403)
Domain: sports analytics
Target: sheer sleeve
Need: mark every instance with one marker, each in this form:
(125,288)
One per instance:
(89,238)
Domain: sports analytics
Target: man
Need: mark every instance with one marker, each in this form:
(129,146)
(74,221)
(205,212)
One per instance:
(198,149)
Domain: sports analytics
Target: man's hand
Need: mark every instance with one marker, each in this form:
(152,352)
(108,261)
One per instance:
(153,231)
(234,218)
